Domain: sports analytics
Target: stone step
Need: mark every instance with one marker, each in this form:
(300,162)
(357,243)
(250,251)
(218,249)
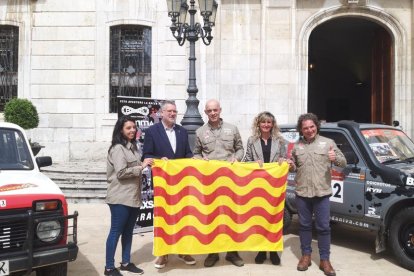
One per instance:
(75,176)
(74,181)
(80,182)
(84,195)
(79,168)
(84,186)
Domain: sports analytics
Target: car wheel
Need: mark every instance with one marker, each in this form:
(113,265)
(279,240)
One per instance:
(287,220)
(53,270)
(401,239)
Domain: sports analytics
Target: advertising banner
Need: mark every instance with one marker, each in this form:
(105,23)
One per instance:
(146,112)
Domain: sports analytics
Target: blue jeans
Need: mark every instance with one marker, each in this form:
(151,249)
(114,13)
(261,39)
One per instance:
(123,219)
(320,207)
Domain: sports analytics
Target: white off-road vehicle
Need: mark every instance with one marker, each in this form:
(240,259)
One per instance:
(36,232)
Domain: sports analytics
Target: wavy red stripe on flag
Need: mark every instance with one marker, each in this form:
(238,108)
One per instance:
(221,229)
(220,191)
(209,179)
(208,219)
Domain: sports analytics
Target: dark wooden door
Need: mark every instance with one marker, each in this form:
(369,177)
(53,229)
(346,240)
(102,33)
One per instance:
(381,78)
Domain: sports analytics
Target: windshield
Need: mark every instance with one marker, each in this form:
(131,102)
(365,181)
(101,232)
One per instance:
(14,153)
(389,144)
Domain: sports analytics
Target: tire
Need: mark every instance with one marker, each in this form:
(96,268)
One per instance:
(53,270)
(401,240)
(287,220)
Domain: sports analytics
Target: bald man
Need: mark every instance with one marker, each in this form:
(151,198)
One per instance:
(218,140)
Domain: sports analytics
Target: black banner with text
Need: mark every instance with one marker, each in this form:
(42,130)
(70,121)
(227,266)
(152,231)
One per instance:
(146,112)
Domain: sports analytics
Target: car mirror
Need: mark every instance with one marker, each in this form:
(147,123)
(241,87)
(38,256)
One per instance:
(351,157)
(44,161)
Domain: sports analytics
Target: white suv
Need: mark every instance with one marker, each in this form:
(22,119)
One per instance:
(35,229)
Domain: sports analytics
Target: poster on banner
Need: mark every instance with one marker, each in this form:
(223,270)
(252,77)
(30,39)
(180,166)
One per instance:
(146,112)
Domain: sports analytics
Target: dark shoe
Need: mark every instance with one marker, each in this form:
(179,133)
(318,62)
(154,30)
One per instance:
(131,267)
(326,267)
(260,258)
(274,258)
(187,259)
(234,258)
(112,272)
(211,260)
(304,263)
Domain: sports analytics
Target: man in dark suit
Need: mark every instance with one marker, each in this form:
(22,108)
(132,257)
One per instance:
(167,140)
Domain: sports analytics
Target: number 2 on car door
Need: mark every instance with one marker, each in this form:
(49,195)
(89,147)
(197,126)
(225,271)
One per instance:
(337,191)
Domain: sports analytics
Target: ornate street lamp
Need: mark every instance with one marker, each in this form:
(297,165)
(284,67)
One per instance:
(192,31)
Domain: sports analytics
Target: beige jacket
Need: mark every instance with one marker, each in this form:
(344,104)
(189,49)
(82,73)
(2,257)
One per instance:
(313,167)
(254,149)
(222,143)
(123,171)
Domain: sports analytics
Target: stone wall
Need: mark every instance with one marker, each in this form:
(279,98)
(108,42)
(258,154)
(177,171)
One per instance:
(257,61)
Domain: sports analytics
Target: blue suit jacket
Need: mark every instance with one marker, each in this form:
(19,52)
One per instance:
(157,145)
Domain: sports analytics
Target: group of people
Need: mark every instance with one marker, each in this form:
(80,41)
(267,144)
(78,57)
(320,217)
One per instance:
(312,157)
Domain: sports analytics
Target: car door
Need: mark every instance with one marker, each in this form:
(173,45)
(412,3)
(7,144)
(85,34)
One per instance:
(348,184)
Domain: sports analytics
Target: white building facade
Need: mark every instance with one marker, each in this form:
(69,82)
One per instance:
(258,60)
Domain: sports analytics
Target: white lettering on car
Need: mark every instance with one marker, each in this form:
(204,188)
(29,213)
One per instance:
(372,212)
(375,183)
(410,181)
(374,190)
(349,221)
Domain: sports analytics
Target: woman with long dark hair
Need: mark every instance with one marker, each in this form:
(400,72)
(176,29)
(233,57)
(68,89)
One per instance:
(124,170)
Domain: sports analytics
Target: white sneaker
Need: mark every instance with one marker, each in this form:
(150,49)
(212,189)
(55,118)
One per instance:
(161,261)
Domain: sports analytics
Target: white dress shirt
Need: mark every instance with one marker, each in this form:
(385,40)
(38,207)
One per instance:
(171,136)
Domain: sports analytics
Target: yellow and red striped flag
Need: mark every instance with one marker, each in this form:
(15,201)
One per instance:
(215,206)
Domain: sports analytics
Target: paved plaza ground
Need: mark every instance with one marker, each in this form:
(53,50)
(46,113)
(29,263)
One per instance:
(353,252)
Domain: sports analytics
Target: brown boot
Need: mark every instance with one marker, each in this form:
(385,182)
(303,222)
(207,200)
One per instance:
(327,268)
(304,263)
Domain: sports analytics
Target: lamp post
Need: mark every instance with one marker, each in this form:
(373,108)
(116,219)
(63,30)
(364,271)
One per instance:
(192,31)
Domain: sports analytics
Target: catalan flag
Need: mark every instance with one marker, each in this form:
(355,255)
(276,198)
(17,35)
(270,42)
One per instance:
(215,206)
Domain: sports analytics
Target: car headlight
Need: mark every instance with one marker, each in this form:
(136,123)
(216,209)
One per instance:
(49,231)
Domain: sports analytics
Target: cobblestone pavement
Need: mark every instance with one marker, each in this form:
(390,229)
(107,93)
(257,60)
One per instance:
(353,253)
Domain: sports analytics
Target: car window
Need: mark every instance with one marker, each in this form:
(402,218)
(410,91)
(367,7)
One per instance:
(342,143)
(15,154)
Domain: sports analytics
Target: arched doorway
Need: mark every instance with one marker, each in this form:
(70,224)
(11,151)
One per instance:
(349,71)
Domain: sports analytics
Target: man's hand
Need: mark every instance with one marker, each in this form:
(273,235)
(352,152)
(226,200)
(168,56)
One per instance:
(291,164)
(289,161)
(331,154)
